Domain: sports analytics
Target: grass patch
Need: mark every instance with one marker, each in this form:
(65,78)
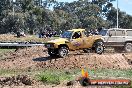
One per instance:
(50,76)
(5,51)
(109,73)
(7,72)
(54,76)
(57,76)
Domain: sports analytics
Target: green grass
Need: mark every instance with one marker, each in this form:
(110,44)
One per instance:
(6,73)
(5,51)
(50,76)
(2,51)
(54,77)
(109,73)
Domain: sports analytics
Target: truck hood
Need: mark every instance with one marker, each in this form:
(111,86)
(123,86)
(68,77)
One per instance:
(58,41)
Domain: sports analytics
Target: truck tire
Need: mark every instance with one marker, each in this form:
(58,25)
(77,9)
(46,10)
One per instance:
(52,52)
(128,47)
(63,51)
(99,47)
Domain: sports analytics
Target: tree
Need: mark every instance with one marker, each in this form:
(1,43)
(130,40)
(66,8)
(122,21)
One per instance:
(125,20)
(36,15)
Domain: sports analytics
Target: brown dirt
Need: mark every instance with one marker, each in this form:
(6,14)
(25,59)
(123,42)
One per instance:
(13,38)
(37,57)
(16,80)
(52,86)
(26,82)
(3,37)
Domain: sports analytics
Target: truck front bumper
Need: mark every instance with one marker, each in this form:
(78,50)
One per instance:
(51,45)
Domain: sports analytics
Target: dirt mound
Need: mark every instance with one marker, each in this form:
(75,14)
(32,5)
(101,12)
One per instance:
(113,61)
(22,58)
(18,80)
(37,57)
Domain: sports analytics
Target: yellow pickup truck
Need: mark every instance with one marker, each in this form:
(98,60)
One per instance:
(74,39)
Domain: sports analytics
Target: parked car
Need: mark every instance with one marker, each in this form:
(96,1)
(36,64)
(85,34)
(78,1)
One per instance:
(117,38)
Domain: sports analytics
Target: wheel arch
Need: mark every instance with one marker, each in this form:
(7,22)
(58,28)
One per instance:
(128,42)
(98,40)
(63,45)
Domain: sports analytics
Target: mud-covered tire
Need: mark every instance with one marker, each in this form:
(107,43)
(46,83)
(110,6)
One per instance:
(63,51)
(52,52)
(99,47)
(128,47)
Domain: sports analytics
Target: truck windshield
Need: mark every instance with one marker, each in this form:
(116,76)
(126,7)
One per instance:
(103,32)
(66,34)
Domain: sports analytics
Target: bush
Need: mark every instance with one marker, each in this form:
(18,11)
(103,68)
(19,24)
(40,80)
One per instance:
(54,77)
(49,78)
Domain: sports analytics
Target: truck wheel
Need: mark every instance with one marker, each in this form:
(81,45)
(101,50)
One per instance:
(128,47)
(99,48)
(63,51)
(52,52)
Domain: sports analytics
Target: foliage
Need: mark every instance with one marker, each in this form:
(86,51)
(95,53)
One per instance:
(50,78)
(54,78)
(33,16)
(125,20)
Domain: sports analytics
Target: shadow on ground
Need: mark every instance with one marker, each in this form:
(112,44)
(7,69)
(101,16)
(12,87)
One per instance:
(49,58)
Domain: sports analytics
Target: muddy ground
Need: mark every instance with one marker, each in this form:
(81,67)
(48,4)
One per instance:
(37,57)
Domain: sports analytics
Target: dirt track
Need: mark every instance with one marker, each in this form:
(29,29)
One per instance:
(37,57)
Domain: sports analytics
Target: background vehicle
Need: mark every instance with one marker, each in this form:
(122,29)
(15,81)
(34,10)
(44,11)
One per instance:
(74,39)
(118,38)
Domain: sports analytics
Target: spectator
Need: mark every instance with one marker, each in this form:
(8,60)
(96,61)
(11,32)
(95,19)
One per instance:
(18,34)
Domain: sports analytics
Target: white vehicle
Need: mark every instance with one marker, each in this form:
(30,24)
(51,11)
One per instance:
(118,38)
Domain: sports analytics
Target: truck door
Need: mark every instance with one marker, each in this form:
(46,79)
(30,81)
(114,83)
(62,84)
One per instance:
(87,39)
(120,37)
(76,41)
(110,39)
